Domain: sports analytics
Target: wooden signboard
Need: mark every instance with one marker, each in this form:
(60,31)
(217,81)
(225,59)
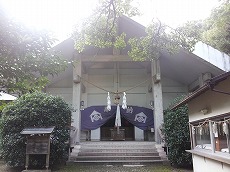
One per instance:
(38,142)
(37,145)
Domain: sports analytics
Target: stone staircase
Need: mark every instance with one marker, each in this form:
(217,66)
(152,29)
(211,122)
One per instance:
(133,152)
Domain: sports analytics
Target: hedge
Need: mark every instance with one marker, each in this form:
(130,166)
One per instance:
(35,110)
(176,129)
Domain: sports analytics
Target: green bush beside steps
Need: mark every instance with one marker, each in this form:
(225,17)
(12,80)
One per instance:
(177,137)
(35,110)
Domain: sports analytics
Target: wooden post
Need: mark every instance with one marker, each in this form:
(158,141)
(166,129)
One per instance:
(191,136)
(48,155)
(228,142)
(27,161)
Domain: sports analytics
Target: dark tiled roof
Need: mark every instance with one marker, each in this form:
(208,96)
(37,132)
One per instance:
(208,86)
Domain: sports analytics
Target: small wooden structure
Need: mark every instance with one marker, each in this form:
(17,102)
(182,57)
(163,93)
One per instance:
(38,142)
(117,134)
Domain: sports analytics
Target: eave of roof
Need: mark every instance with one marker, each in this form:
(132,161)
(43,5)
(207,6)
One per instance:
(208,86)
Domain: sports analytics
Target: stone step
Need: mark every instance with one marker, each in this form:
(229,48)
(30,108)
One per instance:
(118,147)
(117,150)
(97,158)
(118,154)
(120,161)
(118,144)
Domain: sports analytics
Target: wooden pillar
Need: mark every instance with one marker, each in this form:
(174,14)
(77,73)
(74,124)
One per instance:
(76,114)
(157,96)
(192,136)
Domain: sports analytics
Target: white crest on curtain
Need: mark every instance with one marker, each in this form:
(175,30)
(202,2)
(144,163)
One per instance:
(118,117)
(108,103)
(124,102)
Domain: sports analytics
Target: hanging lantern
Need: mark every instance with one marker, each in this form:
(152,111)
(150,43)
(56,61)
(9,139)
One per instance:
(124,102)
(116,99)
(225,128)
(108,103)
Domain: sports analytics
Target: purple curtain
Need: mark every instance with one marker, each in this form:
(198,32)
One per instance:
(140,117)
(95,116)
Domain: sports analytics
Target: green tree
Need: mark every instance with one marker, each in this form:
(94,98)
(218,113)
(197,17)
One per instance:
(217,28)
(159,37)
(35,110)
(214,30)
(101,31)
(26,57)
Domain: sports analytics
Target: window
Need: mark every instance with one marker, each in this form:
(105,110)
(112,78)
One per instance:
(221,136)
(211,134)
(202,136)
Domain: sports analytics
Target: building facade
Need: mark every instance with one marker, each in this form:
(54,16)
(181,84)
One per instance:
(147,84)
(209,118)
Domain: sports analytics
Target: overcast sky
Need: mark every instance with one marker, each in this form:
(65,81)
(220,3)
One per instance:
(59,16)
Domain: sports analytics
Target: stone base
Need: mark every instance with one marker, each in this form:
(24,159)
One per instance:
(36,171)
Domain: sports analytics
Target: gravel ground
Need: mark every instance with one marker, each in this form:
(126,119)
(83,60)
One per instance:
(121,168)
(4,168)
(105,168)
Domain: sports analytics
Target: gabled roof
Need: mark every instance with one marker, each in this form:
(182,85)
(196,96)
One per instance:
(182,67)
(208,86)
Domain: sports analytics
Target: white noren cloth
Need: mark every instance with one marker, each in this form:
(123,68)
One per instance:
(118,117)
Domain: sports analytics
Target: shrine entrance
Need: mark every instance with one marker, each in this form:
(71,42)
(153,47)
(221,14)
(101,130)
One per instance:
(126,127)
(133,122)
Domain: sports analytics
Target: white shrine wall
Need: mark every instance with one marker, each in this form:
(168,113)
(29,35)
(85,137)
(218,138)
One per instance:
(107,80)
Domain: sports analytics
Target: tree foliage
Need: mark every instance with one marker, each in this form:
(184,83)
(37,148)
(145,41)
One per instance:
(101,31)
(26,57)
(34,110)
(217,28)
(159,37)
(214,30)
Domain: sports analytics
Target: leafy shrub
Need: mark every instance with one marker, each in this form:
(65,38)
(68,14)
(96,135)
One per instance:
(35,110)
(176,129)
(2,105)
